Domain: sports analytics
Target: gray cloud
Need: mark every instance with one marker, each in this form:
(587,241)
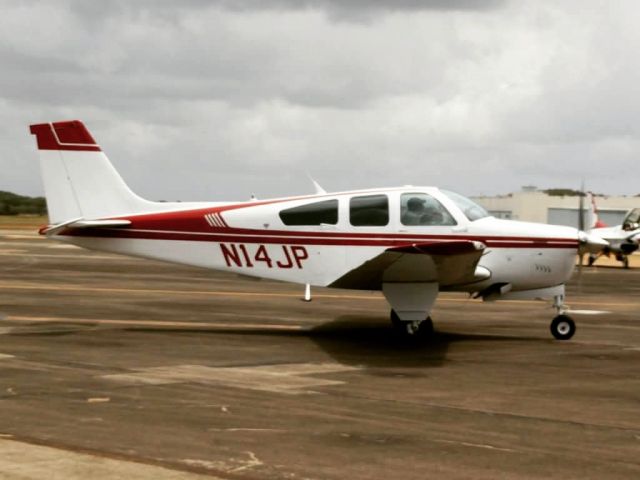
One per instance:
(345,6)
(207,100)
(359,10)
(357,4)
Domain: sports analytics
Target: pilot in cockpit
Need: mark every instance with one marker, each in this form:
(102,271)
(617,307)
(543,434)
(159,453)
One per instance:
(418,212)
(632,222)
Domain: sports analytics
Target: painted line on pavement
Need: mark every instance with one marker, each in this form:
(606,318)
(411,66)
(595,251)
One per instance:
(156,323)
(222,293)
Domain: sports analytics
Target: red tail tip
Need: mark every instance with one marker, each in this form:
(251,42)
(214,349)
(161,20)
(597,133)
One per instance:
(67,135)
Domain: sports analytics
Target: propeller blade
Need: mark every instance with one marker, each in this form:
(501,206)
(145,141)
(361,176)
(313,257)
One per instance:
(580,255)
(581,209)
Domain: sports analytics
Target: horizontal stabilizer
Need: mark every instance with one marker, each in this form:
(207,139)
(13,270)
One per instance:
(81,223)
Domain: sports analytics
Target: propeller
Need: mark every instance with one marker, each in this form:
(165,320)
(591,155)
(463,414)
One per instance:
(581,221)
(581,226)
(588,242)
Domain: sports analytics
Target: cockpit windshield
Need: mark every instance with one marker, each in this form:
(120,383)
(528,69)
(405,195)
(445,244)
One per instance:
(471,209)
(632,221)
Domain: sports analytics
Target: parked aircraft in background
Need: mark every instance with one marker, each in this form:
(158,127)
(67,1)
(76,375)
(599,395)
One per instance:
(409,242)
(622,239)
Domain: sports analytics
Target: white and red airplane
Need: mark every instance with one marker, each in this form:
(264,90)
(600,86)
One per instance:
(409,242)
(623,239)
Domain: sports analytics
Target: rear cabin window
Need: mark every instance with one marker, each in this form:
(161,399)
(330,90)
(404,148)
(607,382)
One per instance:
(318,213)
(369,211)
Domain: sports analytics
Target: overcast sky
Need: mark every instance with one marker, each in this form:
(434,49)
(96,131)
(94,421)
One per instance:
(214,100)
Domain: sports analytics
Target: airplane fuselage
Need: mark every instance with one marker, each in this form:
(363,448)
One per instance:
(252,238)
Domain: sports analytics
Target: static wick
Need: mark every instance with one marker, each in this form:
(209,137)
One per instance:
(307,293)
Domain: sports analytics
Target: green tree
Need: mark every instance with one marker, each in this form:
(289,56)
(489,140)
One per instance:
(13,204)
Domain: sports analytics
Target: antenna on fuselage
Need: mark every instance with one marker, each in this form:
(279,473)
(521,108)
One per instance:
(319,190)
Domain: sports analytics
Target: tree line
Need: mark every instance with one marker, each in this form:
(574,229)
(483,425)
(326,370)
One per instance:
(12,204)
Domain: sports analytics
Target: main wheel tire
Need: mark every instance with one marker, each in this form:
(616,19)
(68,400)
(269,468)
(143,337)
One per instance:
(412,329)
(563,327)
(426,327)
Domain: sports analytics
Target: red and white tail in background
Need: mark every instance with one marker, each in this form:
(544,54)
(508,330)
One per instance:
(79,181)
(592,217)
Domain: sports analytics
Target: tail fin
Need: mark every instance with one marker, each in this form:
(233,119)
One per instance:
(593,221)
(79,181)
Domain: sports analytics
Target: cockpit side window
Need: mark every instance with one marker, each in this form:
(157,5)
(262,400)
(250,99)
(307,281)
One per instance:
(318,213)
(369,211)
(420,209)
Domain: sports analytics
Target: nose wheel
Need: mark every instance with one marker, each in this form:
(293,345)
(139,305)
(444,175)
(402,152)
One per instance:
(563,327)
(412,329)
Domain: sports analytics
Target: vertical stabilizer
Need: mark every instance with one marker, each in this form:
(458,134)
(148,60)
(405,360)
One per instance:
(79,181)
(593,221)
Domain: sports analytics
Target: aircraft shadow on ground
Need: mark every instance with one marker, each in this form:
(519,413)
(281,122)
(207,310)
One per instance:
(349,340)
(355,340)
(362,341)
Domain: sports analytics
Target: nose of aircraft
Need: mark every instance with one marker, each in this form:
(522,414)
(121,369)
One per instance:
(590,243)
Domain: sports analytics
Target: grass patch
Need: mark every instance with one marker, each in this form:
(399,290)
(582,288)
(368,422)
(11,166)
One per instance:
(21,222)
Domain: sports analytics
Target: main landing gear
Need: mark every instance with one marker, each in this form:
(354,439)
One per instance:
(562,326)
(412,329)
(621,257)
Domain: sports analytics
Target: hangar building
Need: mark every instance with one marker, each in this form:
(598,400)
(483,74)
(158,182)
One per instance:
(533,205)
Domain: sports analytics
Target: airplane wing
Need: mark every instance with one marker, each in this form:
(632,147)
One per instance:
(82,223)
(447,263)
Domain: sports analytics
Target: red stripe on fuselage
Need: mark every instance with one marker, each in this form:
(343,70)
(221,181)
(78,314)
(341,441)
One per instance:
(310,238)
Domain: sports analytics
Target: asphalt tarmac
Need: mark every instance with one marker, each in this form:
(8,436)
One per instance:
(113,367)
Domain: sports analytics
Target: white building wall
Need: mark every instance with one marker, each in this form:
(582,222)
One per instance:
(533,206)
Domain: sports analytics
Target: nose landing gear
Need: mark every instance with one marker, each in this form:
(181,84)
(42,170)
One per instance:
(562,326)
